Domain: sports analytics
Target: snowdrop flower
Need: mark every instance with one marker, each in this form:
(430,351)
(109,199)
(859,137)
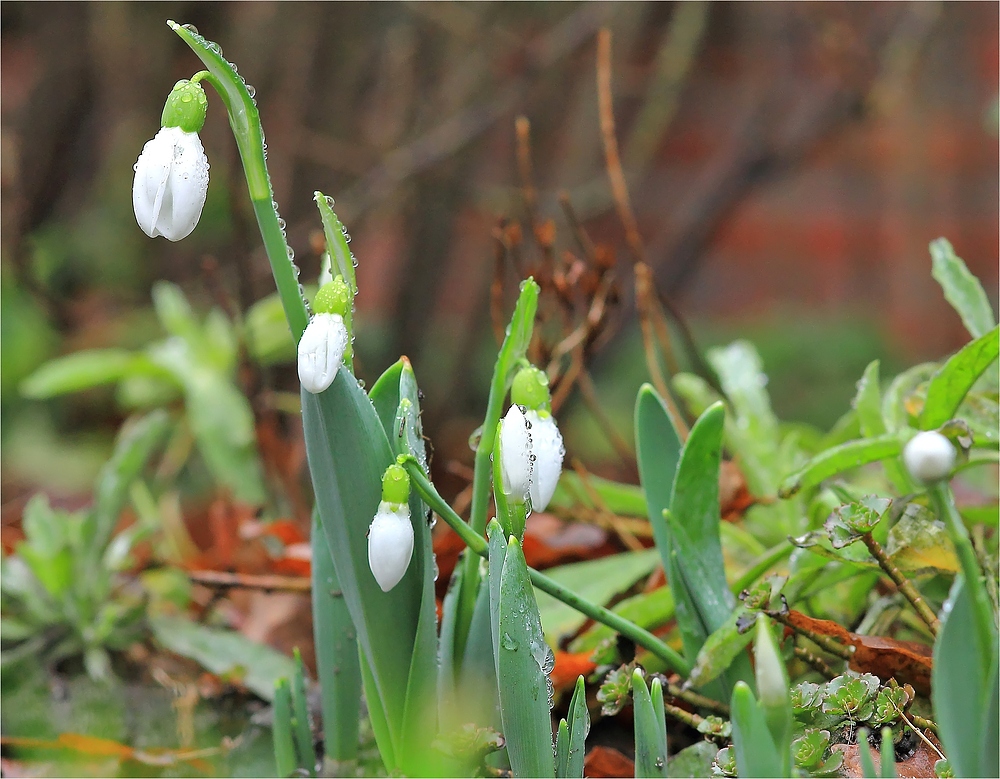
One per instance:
(390,536)
(321,351)
(929,456)
(515,454)
(547,447)
(531,447)
(171,175)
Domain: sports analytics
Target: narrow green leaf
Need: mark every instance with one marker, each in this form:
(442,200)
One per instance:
(650,738)
(341,263)
(961,288)
(376,715)
(952,382)
(756,754)
(336,654)
(281,730)
(497,556)
(695,502)
(647,610)
(524,661)
(224,652)
(477,685)
(868,770)
(868,402)
(82,370)
(562,749)
(989,755)
(384,395)
(959,684)
(579,729)
(135,445)
(839,459)
(301,726)
(719,650)
(772,687)
(348,452)
(658,452)
(623,499)
(656,695)
(887,754)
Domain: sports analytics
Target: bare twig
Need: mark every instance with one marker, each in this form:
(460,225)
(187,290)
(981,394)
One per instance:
(826,643)
(620,528)
(818,663)
(905,585)
(272,583)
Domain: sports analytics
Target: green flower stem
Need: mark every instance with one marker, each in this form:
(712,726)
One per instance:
(478,544)
(244,119)
(986,627)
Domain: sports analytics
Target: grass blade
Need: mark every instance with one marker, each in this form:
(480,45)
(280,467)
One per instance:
(839,459)
(756,754)
(301,726)
(579,729)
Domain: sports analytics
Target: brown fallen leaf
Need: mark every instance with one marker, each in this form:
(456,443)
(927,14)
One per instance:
(907,661)
(569,666)
(607,762)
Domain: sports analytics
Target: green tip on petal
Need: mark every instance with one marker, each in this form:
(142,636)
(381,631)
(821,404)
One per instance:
(186,107)
(395,484)
(333,298)
(530,388)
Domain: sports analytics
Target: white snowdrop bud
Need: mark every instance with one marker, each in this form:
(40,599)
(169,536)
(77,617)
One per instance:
(547,446)
(390,544)
(170,185)
(929,456)
(321,351)
(515,455)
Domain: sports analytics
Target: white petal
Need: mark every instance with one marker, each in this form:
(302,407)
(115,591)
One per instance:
(515,451)
(547,446)
(170,185)
(929,456)
(321,351)
(390,544)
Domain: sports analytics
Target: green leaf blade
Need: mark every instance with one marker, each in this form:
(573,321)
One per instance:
(952,382)
(961,288)
(650,737)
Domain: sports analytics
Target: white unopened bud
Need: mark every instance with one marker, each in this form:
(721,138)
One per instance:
(170,185)
(321,351)
(929,456)
(390,544)
(547,447)
(515,455)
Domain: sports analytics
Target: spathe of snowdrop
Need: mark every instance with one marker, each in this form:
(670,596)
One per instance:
(929,456)
(390,535)
(171,174)
(321,351)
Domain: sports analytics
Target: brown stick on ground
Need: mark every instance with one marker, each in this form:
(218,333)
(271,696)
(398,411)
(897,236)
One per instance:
(223,579)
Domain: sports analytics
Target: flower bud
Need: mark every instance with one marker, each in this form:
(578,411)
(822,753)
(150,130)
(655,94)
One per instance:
(515,455)
(321,351)
(530,388)
(170,185)
(929,456)
(390,536)
(547,447)
(186,107)
(333,298)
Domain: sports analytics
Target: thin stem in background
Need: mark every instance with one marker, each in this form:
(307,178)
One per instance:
(905,585)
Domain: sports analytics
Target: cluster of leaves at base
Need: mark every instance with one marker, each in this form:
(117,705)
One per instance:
(615,690)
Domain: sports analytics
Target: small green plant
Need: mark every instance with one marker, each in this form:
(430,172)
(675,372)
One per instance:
(64,593)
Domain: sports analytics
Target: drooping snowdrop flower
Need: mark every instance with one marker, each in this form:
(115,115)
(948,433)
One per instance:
(390,536)
(171,175)
(547,447)
(515,454)
(531,446)
(929,456)
(321,351)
